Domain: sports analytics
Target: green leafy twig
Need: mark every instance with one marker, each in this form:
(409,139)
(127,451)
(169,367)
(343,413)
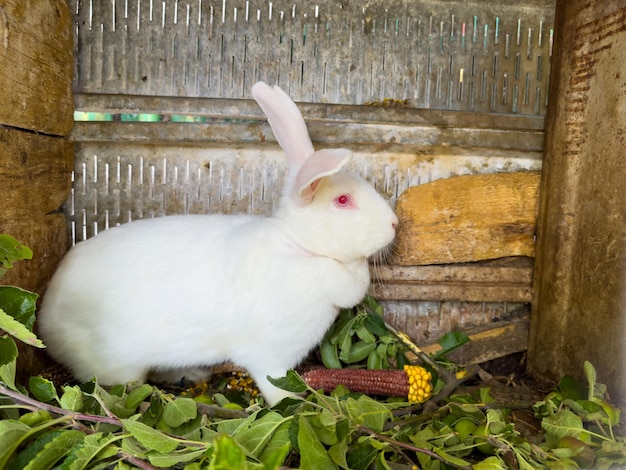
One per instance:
(24,400)
(404,445)
(452,382)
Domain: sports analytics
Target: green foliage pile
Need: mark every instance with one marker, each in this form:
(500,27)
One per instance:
(83,426)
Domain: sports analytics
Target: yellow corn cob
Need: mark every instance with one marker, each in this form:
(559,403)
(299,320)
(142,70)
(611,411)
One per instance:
(414,382)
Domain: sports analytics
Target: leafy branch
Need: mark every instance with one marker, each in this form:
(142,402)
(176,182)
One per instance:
(87,426)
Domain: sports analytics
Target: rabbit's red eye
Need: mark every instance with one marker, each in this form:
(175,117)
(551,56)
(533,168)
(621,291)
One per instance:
(343,201)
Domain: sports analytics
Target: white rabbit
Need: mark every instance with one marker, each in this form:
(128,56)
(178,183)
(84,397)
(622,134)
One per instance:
(187,291)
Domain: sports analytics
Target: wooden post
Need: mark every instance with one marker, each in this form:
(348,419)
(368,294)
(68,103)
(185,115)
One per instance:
(579,306)
(36,158)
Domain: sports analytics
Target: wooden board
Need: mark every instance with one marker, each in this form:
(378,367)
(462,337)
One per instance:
(35,173)
(34,183)
(467,218)
(488,343)
(36,65)
(468,283)
(579,306)
(46,235)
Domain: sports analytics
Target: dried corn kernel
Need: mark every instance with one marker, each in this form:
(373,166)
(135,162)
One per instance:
(420,387)
(243,382)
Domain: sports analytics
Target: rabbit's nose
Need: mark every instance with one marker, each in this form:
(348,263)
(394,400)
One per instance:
(394,222)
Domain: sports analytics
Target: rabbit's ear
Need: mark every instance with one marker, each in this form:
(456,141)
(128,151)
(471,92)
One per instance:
(319,165)
(286,122)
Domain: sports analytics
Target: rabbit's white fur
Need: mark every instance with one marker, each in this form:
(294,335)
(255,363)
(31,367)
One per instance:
(185,291)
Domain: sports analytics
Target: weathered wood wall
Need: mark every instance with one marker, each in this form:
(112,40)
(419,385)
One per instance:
(579,306)
(36,116)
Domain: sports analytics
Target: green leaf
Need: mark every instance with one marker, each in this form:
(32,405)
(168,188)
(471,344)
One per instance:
(10,251)
(572,388)
(451,341)
(361,456)
(375,324)
(371,305)
(47,450)
(273,458)
(490,463)
(561,424)
(18,330)
(259,434)
(611,455)
(12,433)
(279,446)
(138,395)
(180,411)
(227,455)
(93,448)
(174,458)
(485,395)
(451,459)
(369,412)
(20,304)
(313,454)
(338,452)
(150,438)
(344,348)
(326,431)
(72,398)
(590,373)
(8,361)
(42,389)
(233,426)
(292,382)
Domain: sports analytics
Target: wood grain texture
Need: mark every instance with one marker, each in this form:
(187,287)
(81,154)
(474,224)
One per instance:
(469,283)
(579,304)
(467,218)
(34,182)
(46,235)
(488,342)
(35,173)
(36,65)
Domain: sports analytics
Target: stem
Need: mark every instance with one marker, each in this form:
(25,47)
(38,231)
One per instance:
(103,405)
(137,462)
(23,399)
(403,337)
(452,382)
(18,398)
(417,418)
(404,445)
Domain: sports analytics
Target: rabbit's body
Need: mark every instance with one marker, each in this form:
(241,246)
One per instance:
(188,291)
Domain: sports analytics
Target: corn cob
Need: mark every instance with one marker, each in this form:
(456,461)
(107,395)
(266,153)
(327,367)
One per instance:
(414,382)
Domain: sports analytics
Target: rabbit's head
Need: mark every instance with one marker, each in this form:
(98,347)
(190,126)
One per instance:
(329,213)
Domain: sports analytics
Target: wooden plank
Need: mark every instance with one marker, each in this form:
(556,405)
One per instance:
(34,182)
(579,309)
(453,283)
(46,235)
(322,134)
(326,112)
(488,343)
(467,218)
(36,65)
(35,172)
